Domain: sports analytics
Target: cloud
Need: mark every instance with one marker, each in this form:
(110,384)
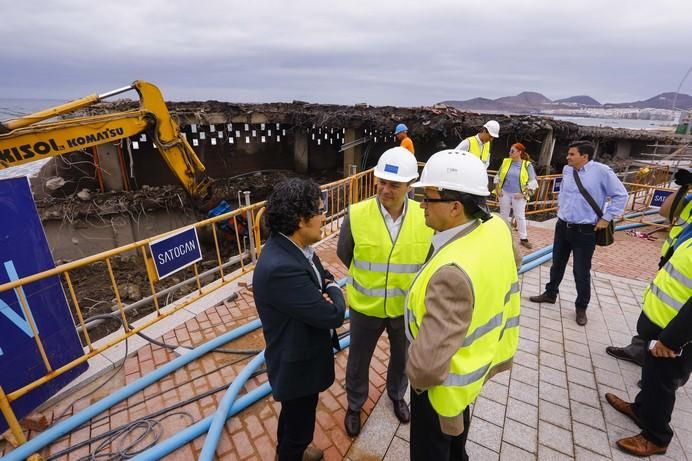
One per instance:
(382,52)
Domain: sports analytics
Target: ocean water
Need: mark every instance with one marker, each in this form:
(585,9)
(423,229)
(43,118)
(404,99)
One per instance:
(12,108)
(631,124)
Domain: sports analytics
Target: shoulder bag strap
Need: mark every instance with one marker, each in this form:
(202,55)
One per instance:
(586,195)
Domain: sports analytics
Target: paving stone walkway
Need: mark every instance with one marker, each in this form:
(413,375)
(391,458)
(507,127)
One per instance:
(550,406)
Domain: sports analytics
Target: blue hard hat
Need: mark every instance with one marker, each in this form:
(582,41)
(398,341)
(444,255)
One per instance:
(400,128)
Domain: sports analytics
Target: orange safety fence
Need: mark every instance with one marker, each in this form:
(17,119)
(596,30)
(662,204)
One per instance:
(233,242)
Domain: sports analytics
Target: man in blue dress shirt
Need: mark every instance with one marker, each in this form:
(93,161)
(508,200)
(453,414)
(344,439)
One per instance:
(577,222)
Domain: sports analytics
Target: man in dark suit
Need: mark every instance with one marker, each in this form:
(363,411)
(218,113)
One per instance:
(298,320)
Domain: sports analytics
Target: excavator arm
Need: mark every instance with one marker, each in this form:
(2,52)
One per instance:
(25,139)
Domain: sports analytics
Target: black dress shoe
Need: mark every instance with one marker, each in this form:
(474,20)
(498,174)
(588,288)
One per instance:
(622,353)
(581,317)
(401,411)
(544,298)
(352,422)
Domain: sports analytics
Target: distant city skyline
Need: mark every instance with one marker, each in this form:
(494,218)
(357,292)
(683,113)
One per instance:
(381,53)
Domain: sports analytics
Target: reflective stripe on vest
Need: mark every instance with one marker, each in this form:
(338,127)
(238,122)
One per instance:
(381,271)
(671,288)
(482,152)
(376,292)
(492,271)
(391,267)
(523,173)
(681,224)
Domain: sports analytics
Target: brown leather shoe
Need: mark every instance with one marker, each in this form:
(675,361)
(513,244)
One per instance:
(352,422)
(312,454)
(639,446)
(623,407)
(401,411)
(581,317)
(544,298)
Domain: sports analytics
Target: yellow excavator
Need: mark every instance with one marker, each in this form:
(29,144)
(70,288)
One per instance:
(26,139)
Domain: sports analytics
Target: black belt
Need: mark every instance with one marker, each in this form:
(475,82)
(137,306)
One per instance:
(579,227)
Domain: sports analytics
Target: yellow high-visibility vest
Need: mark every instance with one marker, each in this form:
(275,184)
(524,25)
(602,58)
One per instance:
(382,270)
(485,254)
(523,173)
(671,288)
(482,152)
(677,228)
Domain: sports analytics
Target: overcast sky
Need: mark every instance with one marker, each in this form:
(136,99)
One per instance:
(379,52)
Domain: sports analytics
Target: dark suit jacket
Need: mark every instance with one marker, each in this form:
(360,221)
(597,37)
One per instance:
(296,319)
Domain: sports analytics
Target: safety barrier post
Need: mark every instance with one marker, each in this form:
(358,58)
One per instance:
(78,309)
(34,329)
(251,235)
(257,229)
(11,419)
(116,291)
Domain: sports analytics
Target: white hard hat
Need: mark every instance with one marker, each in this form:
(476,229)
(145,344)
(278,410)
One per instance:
(493,128)
(397,164)
(455,170)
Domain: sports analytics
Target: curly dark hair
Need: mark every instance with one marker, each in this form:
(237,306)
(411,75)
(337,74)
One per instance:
(289,202)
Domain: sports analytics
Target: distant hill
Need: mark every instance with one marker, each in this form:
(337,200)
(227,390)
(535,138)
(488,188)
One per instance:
(581,100)
(531,102)
(661,101)
(525,99)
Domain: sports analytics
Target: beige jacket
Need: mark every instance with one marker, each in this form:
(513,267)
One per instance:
(449,306)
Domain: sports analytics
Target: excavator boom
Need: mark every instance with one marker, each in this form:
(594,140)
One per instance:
(26,139)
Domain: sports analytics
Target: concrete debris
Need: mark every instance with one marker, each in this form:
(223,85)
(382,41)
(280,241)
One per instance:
(54,183)
(84,194)
(130,291)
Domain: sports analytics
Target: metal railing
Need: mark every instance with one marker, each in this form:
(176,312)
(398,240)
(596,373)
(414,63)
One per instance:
(543,200)
(227,236)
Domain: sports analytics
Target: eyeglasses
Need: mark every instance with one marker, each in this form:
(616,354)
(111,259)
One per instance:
(435,200)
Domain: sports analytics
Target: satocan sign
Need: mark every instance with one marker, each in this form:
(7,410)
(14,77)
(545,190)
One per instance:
(175,252)
(659,196)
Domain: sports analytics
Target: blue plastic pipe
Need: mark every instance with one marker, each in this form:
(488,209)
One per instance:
(223,411)
(186,436)
(200,427)
(536,254)
(45,438)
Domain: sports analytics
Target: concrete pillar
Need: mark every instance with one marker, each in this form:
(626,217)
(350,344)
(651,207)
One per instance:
(623,149)
(352,156)
(107,158)
(546,154)
(300,152)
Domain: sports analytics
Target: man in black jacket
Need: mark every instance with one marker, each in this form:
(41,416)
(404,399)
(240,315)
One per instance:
(665,325)
(298,321)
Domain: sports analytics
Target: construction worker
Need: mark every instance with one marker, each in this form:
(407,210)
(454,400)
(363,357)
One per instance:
(514,183)
(401,133)
(383,241)
(678,209)
(462,310)
(479,145)
(664,325)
